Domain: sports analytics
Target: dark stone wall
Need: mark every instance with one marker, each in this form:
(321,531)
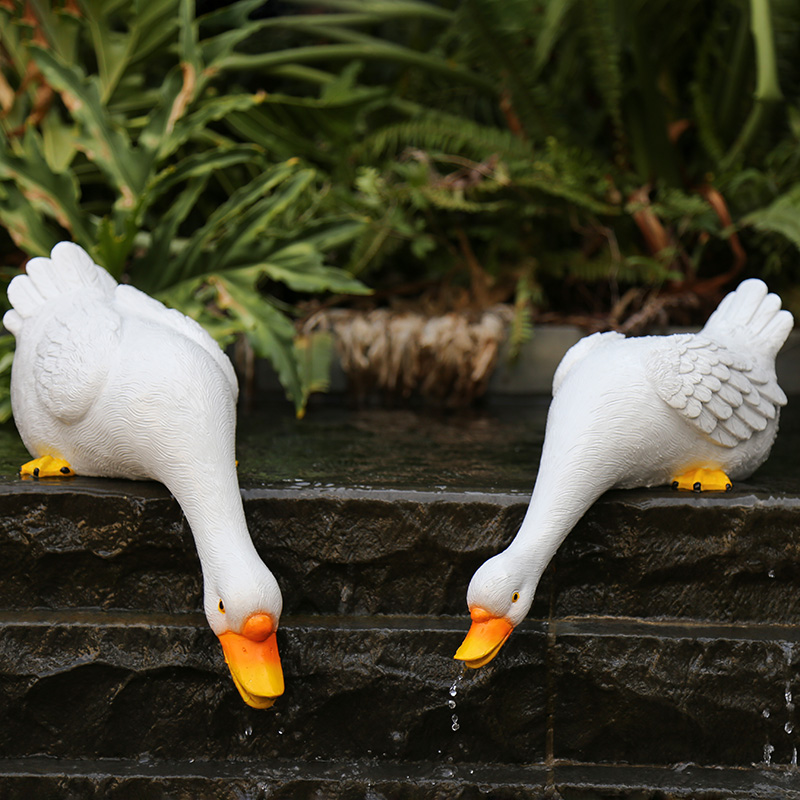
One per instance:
(660,658)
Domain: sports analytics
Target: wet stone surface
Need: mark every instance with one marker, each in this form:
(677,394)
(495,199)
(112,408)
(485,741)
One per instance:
(326,781)
(391,512)
(664,632)
(378,690)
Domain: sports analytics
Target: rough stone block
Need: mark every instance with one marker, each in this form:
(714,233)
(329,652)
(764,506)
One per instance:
(646,693)
(660,553)
(128,687)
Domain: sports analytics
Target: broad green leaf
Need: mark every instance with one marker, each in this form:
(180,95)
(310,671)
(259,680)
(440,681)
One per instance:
(155,265)
(201,164)
(782,216)
(27,227)
(56,194)
(58,142)
(197,258)
(104,143)
(112,48)
(114,243)
(237,242)
(270,332)
(206,112)
(300,267)
(313,353)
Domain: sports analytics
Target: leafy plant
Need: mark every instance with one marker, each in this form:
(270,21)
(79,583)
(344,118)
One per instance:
(572,141)
(126,160)
(598,159)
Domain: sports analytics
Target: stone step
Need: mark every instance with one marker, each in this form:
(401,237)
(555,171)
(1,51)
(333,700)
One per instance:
(92,684)
(114,779)
(663,635)
(641,553)
(391,512)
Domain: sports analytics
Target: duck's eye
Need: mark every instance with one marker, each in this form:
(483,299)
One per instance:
(515,597)
(222,606)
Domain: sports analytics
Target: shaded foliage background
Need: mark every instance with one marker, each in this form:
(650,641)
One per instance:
(605,162)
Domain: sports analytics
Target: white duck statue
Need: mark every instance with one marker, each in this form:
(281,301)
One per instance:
(107,381)
(693,410)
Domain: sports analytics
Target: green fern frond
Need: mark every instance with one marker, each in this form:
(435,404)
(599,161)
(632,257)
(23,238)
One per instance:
(504,32)
(446,133)
(601,33)
(521,328)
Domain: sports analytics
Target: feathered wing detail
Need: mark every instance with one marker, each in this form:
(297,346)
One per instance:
(79,330)
(73,356)
(578,352)
(728,391)
(145,307)
(69,269)
(749,320)
(723,394)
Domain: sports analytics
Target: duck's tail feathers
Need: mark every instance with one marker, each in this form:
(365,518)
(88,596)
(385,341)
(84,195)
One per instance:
(69,268)
(752,319)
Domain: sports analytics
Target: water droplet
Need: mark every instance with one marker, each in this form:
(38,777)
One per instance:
(794,756)
(771,573)
(455,726)
(454,689)
(280,731)
(788,727)
(451,703)
(765,713)
(248,731)
(768,751)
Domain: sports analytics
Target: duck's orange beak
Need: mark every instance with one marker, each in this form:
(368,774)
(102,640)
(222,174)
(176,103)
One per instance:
(252,657)
(484,639)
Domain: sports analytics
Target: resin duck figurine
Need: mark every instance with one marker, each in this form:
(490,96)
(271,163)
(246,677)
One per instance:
(693,410)
(107,381)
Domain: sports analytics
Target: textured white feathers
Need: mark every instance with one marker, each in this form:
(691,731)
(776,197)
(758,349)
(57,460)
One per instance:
(94,320)
(69,268)
(130,300)
(750,321)
(578,352)
(722,380)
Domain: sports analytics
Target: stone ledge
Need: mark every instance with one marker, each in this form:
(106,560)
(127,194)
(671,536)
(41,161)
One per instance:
(342,550)
(599,689)
(116,779)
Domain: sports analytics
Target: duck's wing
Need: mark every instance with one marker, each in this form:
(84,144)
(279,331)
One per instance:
(72,357)
(63,302)
(130,300)
(723,394)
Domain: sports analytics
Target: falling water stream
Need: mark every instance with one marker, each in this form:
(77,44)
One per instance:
(451,703)
(789,705)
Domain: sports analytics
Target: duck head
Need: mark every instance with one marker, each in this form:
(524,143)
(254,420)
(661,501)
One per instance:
(499,597)
(243,606)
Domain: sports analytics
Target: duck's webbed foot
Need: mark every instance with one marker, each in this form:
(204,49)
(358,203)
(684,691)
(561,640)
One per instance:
(46,467)
(703,480)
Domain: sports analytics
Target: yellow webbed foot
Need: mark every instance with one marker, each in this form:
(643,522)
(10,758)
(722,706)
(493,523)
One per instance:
(46,467)
(703,480)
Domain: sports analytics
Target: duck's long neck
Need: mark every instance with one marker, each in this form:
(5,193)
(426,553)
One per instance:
(570,479)
(213,507)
